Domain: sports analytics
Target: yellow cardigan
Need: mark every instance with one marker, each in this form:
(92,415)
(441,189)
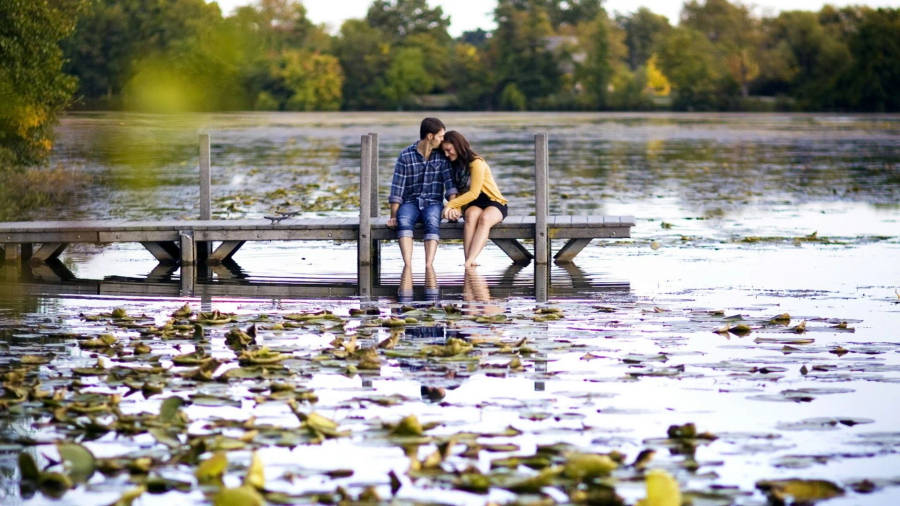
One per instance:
(481,180)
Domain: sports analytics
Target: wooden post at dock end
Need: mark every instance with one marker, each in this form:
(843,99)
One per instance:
(541,199)
(376,244)
(203,248)
(364,239)
(541,210)
(373,165)
(205,206)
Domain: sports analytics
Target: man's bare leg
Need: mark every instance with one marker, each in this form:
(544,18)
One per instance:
(406,248)
(430,251)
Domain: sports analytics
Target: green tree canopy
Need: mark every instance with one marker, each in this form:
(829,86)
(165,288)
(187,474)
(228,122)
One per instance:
(33,88)
(643,30)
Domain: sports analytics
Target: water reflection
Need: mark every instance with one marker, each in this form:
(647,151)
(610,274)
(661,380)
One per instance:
(477,294)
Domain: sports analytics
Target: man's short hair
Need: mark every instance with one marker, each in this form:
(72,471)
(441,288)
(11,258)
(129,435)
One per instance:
(430,126)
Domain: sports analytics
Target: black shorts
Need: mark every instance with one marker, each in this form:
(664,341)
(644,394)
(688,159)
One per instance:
(483,201)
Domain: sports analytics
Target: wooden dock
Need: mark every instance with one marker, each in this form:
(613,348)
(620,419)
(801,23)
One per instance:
(204,242)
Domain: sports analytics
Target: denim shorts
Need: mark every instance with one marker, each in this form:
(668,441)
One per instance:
(409,213)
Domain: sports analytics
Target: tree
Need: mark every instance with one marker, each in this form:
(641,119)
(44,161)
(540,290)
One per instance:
(364,56)
(313,80)
(801,59)
(687,59)
(404,18)
(33,88)
(406,76)
(735,36)
(471,80)
(519,51)
(643,29)
(872,81)
(115,34)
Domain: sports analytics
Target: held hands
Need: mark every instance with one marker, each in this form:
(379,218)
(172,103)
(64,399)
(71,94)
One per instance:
(451,214)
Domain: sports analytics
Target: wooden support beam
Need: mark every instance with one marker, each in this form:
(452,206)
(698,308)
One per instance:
(164,251)
(373,166)
(364,239)
(162,272)
(514,250)
(570,250)
(47,251)
(225,251)
(52,270)
(188,263)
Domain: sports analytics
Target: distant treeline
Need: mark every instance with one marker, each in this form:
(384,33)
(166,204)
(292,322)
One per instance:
(184,55)
(544,54)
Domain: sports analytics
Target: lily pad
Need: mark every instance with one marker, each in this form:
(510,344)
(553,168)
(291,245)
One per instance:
(799,491)
(78,460)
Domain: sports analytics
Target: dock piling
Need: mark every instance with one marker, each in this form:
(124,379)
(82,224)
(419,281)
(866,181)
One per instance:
(364,241)
(541,210)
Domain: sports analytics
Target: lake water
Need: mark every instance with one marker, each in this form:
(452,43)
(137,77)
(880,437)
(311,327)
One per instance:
(739,218)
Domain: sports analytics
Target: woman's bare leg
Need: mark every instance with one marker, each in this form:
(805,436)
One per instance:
(488,218)
(472,215)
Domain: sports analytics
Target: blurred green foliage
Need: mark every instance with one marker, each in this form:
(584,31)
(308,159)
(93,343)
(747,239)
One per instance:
(186,56)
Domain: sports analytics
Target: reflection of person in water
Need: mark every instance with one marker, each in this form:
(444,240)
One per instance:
(405,292)
(476,292)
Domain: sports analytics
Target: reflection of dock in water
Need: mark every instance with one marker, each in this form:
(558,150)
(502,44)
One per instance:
(228,280)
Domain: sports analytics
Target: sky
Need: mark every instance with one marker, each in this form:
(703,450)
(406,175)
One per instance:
(472,14)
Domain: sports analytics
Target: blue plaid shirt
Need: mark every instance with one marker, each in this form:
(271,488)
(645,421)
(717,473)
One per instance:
(416,180)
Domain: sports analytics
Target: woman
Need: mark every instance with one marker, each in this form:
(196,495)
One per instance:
(480,202)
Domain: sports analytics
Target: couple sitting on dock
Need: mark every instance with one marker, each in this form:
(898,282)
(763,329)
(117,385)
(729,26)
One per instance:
(440,164)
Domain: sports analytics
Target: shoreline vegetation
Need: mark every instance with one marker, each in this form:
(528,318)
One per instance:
(544,55)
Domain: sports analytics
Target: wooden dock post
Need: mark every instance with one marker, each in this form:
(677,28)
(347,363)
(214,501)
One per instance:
(373,168)
(541,210)
(203,248)
(364,240)
(188,263)
(376,244)
(205,178)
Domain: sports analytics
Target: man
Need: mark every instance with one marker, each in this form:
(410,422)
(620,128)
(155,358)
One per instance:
(421,180)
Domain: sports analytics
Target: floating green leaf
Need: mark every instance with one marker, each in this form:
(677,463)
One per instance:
(662,489)
(239,496)
(212,469)
(799,491)
(78,460)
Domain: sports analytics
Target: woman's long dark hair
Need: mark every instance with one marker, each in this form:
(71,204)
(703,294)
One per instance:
(464,156)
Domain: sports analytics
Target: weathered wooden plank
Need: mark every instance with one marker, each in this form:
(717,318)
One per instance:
(592,232)
(137,236)
(570,250)
(514,250)
(49,236)
(342,234)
